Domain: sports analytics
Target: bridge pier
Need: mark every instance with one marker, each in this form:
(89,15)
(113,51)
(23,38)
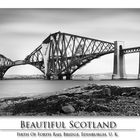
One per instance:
(48,77)
(1,75)
(139,67)
(68,77)
(60,77)
(119,62)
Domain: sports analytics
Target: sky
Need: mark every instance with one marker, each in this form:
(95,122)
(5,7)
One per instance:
(23,30)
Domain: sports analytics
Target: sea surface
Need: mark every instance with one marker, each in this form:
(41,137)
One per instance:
(14,88)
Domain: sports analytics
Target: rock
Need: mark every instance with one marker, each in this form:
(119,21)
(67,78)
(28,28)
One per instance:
(126,100)
(130,113)
(133,88)
(77,95)
(1,100)
(107,92)
(52,101)
(89,87)
(75,98)
(30,99)
(138,114)
(63,97)
(138,93)
(93,102)
(3,105)
(75,90)
(94,93)
(131,100)
(99,91)
(121,100)
(137,102)
(88,93)
(94,113)
(78,91)
(88,100)
(103,108)
(68,109)
(132,93)
(124,94)
(81,102)
(9,102)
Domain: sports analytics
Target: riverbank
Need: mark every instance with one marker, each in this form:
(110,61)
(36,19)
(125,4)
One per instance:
(88,100)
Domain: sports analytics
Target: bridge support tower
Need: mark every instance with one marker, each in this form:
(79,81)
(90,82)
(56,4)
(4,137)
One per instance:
(139,67)
(119,62)
(1,75)
(68,77)
(60,77)
(48,77)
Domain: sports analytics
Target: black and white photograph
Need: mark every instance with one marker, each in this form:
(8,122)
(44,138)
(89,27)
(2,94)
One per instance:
(69,62)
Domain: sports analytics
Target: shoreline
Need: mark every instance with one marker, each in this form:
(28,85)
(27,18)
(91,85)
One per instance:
(78,79)
(87,100)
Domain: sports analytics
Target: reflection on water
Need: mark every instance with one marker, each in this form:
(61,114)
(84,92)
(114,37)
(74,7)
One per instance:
(12,88)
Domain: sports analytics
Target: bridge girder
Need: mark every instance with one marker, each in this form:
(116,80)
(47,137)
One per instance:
(68,52)
(36,59)
(5,64)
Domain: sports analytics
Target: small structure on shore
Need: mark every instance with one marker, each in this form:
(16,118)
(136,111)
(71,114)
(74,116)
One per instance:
(90,78)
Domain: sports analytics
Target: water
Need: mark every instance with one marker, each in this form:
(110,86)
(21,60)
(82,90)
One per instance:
(13,88)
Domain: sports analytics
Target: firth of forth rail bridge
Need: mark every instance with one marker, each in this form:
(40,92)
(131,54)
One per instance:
(61,54)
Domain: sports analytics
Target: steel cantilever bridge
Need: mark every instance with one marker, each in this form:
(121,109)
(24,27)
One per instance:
(61,54)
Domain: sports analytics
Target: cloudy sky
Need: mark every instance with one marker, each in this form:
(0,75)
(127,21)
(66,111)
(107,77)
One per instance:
(22,30)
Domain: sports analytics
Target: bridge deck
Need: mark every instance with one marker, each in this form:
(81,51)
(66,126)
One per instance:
(131,50)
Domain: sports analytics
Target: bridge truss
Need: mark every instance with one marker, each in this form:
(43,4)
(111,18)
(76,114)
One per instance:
(5,64)
(61,54)
(67,53)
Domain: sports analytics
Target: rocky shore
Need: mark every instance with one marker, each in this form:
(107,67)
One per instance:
(88,100)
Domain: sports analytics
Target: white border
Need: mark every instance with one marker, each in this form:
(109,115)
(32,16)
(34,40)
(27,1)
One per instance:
(69,4)
(124,126)
(132,122)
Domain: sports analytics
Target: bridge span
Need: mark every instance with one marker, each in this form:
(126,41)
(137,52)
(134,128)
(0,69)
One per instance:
(61,54)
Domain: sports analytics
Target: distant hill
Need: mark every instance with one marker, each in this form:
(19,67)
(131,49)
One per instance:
(98,76)
(24,76)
